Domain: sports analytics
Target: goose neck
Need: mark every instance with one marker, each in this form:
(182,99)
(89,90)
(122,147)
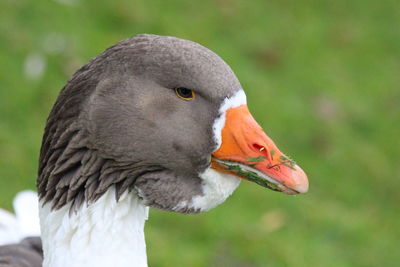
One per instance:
(104,233)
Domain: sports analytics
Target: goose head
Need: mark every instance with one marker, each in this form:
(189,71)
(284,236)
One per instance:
(163,118)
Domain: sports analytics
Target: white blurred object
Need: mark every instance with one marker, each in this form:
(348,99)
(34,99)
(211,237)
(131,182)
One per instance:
(34,65)
(9,232)
(25,222)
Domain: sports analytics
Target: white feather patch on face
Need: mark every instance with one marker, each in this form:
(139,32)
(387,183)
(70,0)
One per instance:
(216,186)
(237,99)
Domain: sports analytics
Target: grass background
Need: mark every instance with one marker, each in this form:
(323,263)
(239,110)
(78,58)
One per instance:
(322,78)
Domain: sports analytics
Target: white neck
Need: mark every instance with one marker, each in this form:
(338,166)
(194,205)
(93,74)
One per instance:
(102,234)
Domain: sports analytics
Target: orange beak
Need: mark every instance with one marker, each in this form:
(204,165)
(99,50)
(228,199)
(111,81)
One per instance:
(247,152)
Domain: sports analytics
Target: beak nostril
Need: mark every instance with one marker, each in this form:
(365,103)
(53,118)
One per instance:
(258,147)
(263,150)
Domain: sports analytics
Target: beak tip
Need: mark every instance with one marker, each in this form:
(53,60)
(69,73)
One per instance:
(301,181)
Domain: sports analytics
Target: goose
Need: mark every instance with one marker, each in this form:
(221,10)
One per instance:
(22,227)
(153,121)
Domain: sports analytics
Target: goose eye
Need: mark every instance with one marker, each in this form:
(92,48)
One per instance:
(184,93)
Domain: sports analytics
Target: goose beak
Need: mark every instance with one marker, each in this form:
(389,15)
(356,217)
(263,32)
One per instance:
(247,152)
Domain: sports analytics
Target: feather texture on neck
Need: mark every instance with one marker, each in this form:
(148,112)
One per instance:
(106,232)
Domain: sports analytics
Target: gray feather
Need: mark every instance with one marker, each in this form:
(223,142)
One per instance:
(28,253)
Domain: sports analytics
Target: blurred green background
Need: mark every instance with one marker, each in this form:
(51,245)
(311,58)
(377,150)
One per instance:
(322,78)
